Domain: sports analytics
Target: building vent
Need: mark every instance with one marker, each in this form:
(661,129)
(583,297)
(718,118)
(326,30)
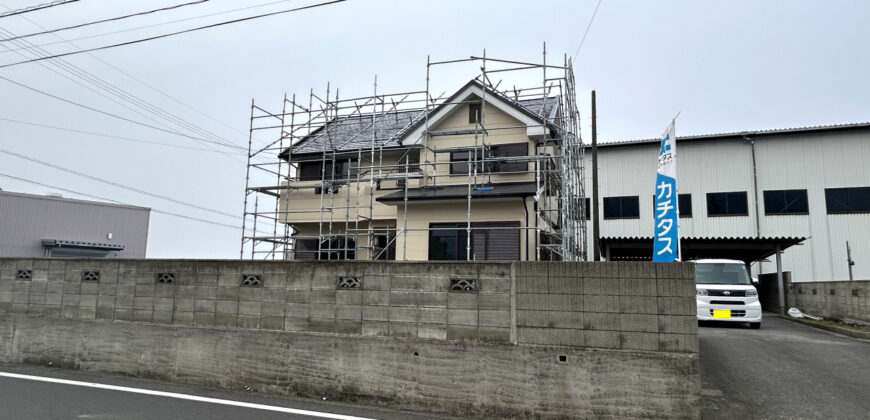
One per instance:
(855,292)
(347,282)
(23,275)
(252,280)
(833,292)
(165,278)
(463,285)
(91,276)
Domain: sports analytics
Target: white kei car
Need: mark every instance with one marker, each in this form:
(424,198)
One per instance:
(725,292)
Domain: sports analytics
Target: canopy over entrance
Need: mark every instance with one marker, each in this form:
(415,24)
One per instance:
(743,249)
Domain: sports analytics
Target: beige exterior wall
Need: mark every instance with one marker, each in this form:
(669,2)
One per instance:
(501,129)
(414,245)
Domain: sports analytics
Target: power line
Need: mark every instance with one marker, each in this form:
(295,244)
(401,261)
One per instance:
(111,136)
(35,8)
(118,202)
(150,26)
(120,93)
(117,116)
(587,30)
(105,47)
(115,184)
(82,25)
(131,77)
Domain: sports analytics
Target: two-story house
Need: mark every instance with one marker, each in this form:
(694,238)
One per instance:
(480,176)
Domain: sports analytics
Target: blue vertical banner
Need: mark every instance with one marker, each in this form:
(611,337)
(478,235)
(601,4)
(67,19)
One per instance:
(666,246)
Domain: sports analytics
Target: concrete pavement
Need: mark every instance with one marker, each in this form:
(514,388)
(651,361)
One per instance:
(783,370)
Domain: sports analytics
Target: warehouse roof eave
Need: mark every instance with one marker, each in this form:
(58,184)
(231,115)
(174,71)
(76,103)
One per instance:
(747,249)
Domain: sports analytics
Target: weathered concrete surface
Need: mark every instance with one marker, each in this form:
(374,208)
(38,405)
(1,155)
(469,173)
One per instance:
(847,301)
(490,349)
(459,378)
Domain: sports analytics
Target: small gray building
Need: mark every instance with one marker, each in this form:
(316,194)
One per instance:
(56,227)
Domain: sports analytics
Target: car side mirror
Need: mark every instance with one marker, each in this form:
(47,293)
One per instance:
(755,281)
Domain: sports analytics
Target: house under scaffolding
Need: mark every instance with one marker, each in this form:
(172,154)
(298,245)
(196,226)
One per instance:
(368,177)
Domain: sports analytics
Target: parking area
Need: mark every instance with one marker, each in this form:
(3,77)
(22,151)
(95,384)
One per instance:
(783,370)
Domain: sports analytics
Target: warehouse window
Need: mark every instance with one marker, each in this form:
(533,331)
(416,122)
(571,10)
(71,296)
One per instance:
(786,202)
(847,200)
(727,204)
(621,207)
(586,204)
(685,201)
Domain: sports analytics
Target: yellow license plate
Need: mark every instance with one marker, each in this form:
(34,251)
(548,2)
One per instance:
(721,313)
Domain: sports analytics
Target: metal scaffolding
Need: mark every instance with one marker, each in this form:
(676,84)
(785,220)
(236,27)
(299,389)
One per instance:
(351,138)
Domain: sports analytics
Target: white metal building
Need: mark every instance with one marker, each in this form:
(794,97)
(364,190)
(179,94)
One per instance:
(56,227)
(748,188)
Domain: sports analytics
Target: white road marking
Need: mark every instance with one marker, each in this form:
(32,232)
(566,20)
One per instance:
(183,396)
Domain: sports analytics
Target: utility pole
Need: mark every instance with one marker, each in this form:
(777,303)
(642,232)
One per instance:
(596,234)
(849,259)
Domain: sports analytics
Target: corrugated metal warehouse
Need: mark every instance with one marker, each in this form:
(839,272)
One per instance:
(57,227)
(805,189)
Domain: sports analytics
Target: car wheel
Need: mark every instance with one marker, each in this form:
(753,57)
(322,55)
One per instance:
(755,325)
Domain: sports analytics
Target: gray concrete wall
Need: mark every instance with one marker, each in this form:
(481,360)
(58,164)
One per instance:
(847,301)
(627,330)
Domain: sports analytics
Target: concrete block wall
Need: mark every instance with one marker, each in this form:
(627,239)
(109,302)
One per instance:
(623,305)
(411,300)
(847,301)
(560,340)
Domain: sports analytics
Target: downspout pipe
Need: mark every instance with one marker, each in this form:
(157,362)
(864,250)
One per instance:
(754,185)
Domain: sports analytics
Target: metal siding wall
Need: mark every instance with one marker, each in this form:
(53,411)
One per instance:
(815,161)
(811,161)
(26,220)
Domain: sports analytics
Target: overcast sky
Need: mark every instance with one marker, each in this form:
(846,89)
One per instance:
(725,66)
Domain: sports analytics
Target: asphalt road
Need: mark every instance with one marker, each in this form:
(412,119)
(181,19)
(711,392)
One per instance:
(784,370)
(37,400)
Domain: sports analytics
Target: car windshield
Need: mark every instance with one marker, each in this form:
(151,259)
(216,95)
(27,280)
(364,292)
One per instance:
(721,273)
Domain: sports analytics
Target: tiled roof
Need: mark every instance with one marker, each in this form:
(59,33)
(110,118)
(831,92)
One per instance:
(355,132)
